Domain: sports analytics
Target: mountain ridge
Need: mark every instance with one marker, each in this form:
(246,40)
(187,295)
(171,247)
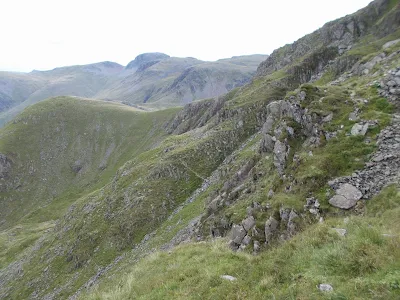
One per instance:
(144,81)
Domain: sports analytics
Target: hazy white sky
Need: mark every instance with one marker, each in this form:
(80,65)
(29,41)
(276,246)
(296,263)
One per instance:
(44,34)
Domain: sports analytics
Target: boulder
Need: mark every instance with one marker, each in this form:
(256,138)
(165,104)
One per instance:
(237,234)
(248,223)
(324,287)
(228,277)
(341,231)
(346,196)
(246,240)
(359,129)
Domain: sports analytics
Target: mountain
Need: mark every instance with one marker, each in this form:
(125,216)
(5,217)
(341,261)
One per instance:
(285,188)
(154,80)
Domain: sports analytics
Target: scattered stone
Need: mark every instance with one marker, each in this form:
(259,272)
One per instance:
(256,246)
(340,231)
(353,116)
(246,241)
(328,118)
(228,277)
(359,129)
(324,287)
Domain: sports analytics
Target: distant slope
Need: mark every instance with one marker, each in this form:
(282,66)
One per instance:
(153,79)
(70,145)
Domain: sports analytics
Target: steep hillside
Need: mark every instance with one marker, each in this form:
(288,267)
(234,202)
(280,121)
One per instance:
(54,151)
(150,78)
(285,188)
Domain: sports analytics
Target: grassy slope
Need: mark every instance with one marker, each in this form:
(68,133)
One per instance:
(108,222)
(364,264)
(112,221)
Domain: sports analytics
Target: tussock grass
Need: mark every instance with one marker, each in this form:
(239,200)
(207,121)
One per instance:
(365,264)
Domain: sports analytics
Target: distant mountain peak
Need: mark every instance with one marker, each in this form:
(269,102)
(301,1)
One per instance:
(146,58)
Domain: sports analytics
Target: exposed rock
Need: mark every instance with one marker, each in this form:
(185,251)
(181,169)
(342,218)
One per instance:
(238,233)
(383,167)
(359,129)
(268,143)
(5,166)
(271,227)
(228,277)
(390,44)
(324,287)
(280,154)
(246,241)
(292,223)
(256,246)
(328,118)
(270,193)
(340,231)
(346,196)
(353,116)
(248,223)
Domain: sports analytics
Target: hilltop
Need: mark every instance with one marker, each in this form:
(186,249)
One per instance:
(287,187)
(151,80)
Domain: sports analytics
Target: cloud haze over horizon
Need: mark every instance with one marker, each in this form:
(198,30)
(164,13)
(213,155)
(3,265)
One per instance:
(45,34)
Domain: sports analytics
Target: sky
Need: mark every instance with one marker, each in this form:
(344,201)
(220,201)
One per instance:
(44,34)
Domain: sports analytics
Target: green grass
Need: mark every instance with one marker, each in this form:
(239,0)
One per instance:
(364,264)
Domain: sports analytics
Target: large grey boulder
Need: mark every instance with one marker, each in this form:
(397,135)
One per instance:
(238,233)
(346,196)
(248,223)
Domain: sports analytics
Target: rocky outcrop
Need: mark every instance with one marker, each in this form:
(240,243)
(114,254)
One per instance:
(5,166)
(382,169)
(146,59)
(325,49)
(389,87)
